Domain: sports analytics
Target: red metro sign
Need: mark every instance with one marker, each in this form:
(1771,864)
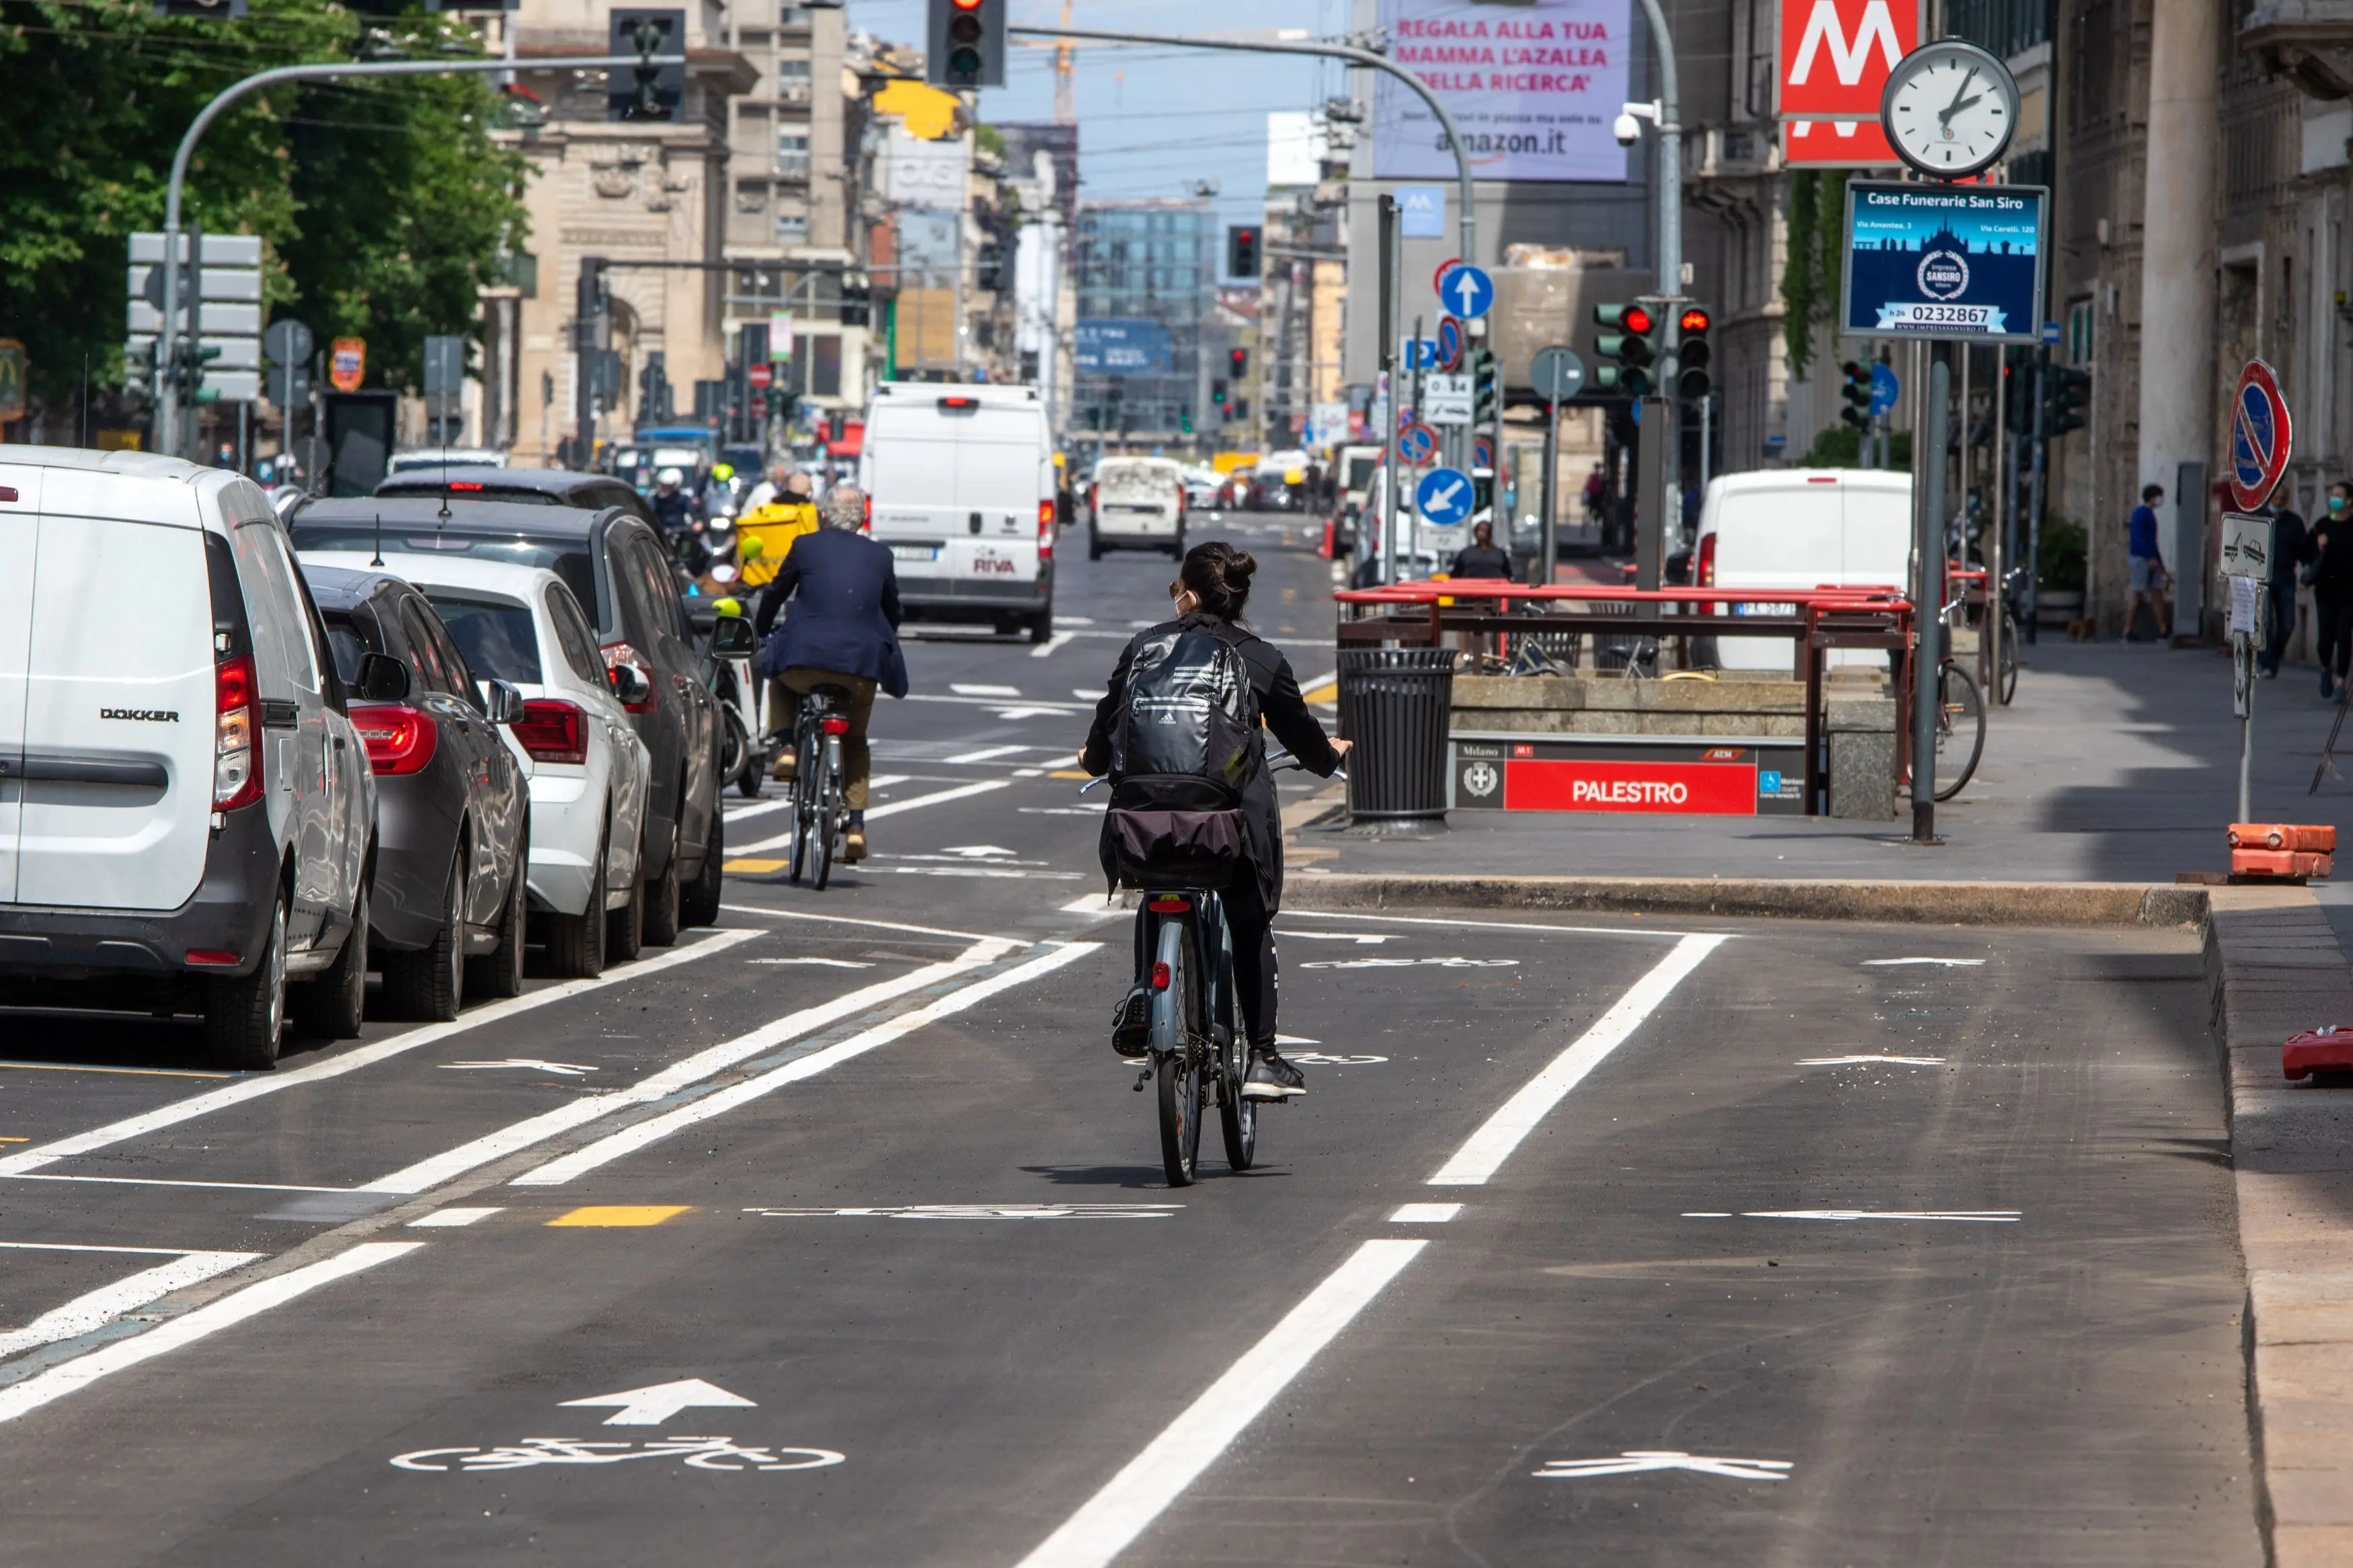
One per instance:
(1830,72)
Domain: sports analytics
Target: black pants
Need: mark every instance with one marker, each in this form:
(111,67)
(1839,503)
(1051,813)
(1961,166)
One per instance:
(2283,622)
(1251,930)
(2336,617)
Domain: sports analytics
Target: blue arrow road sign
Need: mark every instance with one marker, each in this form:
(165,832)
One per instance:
(1443,497)
(1417,443)
(1885,390)
(1467,291)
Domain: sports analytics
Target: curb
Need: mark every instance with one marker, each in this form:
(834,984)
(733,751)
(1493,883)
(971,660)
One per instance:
(1919,903)
(2273,966)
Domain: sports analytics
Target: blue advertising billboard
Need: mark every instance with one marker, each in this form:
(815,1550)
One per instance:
(1107,346)
(1962,262)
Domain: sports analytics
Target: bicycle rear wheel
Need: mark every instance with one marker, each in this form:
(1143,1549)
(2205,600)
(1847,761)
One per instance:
(825,820)
(1960,729)
(1237,1117)
(1176,1065)
(2009,658)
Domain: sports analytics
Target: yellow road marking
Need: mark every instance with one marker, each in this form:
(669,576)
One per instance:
(16,1140)
(144,1072)
(753,867)
(1329,692)
(621,1214)
(1070,773)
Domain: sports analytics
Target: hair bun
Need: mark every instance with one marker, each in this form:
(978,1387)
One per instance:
(1238,568)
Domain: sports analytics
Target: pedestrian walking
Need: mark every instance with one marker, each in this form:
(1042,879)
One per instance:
(2146,565)
(2292,549)
(2330,573)
(1483,559)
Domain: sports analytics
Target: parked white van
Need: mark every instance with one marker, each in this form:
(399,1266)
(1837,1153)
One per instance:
(961,480)
(1801,527)
(187,815)
(1137,503)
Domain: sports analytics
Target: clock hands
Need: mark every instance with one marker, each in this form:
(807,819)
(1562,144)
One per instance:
(1945,116)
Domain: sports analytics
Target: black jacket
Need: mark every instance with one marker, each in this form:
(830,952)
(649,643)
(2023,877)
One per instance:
(2291,546)
(847,618)
(2332,578)
(1484,560)
(1280,707)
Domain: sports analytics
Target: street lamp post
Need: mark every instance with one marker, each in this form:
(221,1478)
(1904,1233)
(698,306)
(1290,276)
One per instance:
(167,400)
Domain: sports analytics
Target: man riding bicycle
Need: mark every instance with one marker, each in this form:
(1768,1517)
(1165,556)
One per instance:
(1212,588)
(843,632)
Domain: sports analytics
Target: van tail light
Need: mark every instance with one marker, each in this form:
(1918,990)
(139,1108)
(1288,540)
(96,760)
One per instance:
(551,731)
(1703,571)
(400,739)
(620,653)
(237,732)
(1046,529)
(835,726)
(866,523)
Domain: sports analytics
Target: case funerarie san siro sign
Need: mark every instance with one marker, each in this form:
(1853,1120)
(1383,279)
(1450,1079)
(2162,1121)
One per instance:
(1943,261)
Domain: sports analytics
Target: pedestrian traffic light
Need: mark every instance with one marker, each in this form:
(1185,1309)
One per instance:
(1855,391)
(1623,350)
(967,43)
(2067,395)
(1241,251)
(646,90)
(1692,354)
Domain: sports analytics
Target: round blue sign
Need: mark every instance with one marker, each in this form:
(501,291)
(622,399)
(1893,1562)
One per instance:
(1450,344)
(1417,443)
(1443,497)
(1885,390)
(1466,290)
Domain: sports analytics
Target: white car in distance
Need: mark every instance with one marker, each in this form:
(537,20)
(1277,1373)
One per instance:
(588,767)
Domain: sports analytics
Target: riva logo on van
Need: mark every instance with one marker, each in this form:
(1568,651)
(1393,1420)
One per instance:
(141,715)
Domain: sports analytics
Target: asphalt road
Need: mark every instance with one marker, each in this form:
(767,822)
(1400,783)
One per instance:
(1767,1243)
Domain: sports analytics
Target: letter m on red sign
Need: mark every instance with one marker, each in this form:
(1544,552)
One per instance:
(1836,53)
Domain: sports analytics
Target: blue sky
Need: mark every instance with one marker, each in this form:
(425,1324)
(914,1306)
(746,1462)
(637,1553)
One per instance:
(1152,119)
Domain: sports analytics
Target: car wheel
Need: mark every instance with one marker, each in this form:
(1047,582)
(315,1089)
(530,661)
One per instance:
(245,1014)
(1176,546)
(1095,546)
(625,928)
(576,943)
(330,1005)
(660,901)
(699,901)
(500,973)
(429,983)
(1041,625)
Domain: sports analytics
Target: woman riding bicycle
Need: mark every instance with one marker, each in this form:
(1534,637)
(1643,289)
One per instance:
(1211,590)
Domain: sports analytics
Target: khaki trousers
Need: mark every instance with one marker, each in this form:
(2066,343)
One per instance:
(784,693)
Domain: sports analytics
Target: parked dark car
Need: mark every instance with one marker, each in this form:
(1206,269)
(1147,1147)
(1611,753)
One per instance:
(614,562)
(452,809)
(523,487)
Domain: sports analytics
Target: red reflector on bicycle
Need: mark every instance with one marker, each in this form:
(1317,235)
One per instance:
(835,726)
(1160,977)
(1169,906)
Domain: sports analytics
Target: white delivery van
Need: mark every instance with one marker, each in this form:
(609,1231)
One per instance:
(962,483)
(1137,503)
(1801,527)
(186,811)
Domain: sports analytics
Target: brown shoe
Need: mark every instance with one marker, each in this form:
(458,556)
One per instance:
(786,765)
(853,847)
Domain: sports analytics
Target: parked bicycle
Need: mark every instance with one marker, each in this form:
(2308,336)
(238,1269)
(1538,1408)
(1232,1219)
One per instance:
(1960,715)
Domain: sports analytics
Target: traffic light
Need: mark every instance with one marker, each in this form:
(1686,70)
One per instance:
(1855,391)
(1692,354)
(138,378)
(967,43)
(1486,387)
(2067,398)
(646,90)
(1218,393)
(1241,251)
(1185,422)
(1239,360)
(1624,349)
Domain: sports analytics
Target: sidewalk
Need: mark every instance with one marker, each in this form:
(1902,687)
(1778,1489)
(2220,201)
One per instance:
(2117,764)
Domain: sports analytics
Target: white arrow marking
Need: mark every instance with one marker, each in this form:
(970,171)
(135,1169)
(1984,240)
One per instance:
(1941,962)
(1441,497)
(1635,1460)
(568,1070)
(974,851)
(657,1402)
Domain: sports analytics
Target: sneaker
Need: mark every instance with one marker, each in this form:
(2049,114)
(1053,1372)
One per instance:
(1131,1022)
(2327,687)
(1271,1078)
(786,765)
(853,848)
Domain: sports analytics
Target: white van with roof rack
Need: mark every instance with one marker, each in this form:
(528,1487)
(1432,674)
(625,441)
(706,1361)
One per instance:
(961,481)
(187,814)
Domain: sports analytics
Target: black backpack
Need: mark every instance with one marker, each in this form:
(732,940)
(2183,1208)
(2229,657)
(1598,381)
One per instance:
(1186,743)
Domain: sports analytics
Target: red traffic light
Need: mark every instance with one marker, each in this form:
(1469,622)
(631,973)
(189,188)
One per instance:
(1693,320)
(1637,320)
(966,5)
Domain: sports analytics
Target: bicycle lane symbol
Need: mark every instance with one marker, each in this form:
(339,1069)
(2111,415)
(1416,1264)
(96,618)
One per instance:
(648,1406)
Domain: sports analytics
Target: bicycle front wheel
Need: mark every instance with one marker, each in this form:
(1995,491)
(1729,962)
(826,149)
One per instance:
(804,807)
(1960,729)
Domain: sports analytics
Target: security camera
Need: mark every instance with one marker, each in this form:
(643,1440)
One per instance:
(1626,128)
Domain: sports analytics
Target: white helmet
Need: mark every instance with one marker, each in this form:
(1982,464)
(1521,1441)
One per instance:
(669,477)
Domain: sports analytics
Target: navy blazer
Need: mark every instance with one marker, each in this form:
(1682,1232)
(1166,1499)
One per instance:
(846,616)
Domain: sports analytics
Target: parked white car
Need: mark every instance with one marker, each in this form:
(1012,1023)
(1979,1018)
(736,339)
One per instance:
(587,765)
(1137,503)
(185,810)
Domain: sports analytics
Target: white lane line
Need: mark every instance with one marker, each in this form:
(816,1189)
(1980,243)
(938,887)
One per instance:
(737,813)
(73,1376)
(816,962)
(444,1219)
(963,689)
(87,1247)
(1657,933)
(850,921)
(1424,1213)
(1111,1519)
(1979,1216)
(451,1163)
(1045,649)
(985,754)
(1849,1061)
(1028,705)
(1484,1151)
(102,1306)
(168,1182)
(654,1129)
(1933,962)
(961,792)
(254,1088)
(884,780)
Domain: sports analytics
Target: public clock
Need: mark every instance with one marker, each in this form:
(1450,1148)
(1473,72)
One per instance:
(1949,109)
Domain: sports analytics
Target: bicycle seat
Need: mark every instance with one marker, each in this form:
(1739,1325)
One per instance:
(831,693)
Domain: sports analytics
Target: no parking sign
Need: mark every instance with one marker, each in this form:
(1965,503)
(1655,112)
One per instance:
(2260,436)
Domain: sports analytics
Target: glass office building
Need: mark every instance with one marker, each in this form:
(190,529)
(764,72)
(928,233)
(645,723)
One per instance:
(1142,262)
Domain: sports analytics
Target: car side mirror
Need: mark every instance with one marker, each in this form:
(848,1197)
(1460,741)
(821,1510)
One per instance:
(732,637)
(628,685)
(383,679)
(501,703)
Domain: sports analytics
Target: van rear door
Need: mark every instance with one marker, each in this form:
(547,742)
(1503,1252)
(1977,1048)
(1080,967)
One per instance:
(957,489)
(20,527)
(119,722)
(1787,535)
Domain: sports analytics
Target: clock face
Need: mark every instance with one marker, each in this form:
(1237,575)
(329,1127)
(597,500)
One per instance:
(1949,109)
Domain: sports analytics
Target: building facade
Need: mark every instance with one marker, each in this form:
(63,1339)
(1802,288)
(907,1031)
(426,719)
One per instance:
(1144,275)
